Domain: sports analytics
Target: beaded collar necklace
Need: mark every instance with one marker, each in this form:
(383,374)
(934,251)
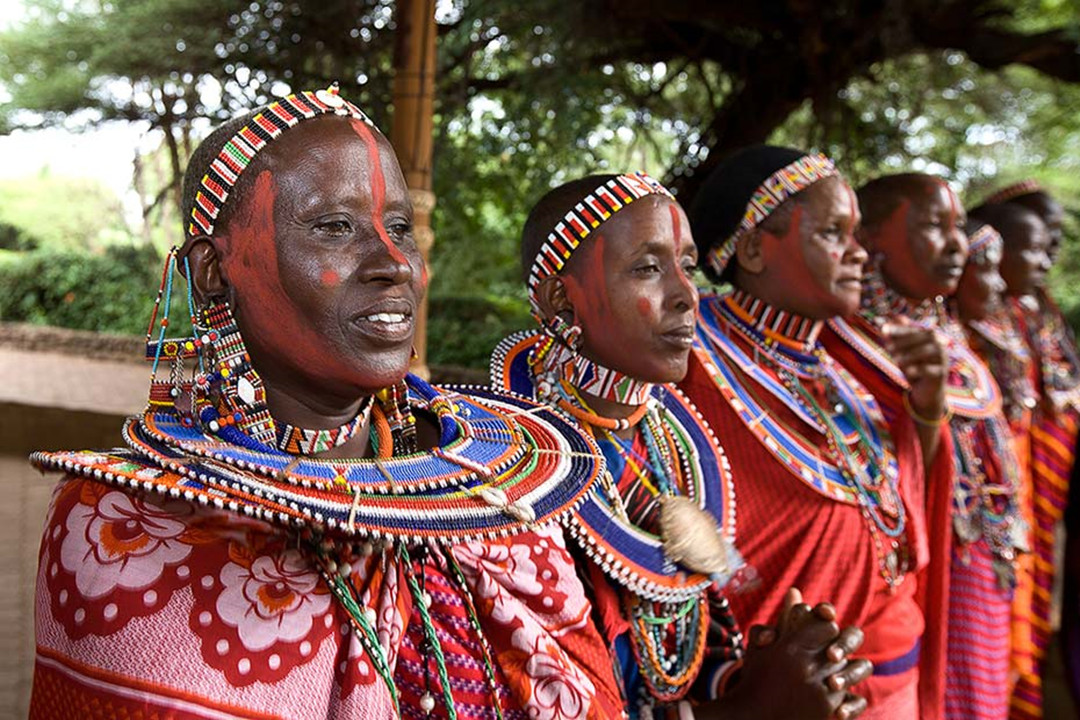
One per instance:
(304,441)
(857,465)
(666,605)
(1058,355)
(554,362)
(629,555)
(970,390)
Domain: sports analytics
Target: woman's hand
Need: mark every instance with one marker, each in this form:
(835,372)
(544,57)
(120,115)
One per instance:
(799,669)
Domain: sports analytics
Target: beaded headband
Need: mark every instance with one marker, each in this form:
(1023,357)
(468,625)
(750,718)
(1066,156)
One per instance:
(786,182)
(982,240)
(1011,192)
(583,218)
(267,125)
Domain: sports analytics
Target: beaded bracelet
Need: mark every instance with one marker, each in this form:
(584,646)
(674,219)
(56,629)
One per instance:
(926,422)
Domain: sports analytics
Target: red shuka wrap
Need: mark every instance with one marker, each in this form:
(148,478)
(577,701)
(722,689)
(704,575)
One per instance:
(977,595)
(793,535)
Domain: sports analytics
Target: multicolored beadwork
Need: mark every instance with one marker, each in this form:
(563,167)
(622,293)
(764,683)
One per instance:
(240,150)
(858,467)
(633,558)
(982,241)
(305,441)
(1011,192)
(666,606)
(784,183)
(583,219)
(554,363)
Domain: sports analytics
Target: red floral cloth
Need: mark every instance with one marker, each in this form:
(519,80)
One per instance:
(156,608)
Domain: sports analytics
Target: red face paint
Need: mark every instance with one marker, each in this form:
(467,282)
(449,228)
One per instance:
(378,189)
(676,232)
(250,263)
(590,300)
(644,307)
(329,278)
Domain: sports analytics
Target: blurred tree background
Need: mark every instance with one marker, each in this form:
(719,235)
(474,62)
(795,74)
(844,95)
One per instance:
(982,92)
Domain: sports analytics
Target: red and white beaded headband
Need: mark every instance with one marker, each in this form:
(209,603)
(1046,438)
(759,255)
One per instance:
(982,240)
(583,218)
(1011,192)
(267,125)
(787,181)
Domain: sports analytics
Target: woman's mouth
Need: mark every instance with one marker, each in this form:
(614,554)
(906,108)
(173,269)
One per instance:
(385,328)
(681,337)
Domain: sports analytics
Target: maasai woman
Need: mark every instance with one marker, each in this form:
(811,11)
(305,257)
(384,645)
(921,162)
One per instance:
(1025,262)
(979,304)
(913,227)
(1054,429)
(830,494)
(607,260)
(297,528)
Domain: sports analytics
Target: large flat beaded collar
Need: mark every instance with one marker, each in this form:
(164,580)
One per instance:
(970,389)
(503,464)
(627,554)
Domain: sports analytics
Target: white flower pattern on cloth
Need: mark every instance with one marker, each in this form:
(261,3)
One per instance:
(559,690)
(273,600)
(121,541)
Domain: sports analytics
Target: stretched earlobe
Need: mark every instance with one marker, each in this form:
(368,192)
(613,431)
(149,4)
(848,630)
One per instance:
(207,281)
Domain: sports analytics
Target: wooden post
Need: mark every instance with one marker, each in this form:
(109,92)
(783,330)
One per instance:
(414,99)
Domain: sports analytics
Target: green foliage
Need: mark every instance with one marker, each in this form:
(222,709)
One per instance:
(469,328)
(108,291)
(58,212)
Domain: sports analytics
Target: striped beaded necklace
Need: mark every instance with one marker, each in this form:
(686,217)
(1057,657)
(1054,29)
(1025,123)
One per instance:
(303,441)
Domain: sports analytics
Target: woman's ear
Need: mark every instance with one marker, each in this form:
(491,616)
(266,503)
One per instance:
(551,299)
(748,252)
(207,281)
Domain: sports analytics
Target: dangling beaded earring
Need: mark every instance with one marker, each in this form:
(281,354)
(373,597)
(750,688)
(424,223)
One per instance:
(229,394)
(547,375)
(570,335)
(393,405)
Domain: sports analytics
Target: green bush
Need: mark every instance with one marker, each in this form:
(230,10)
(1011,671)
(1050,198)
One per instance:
(463,330)
(109,291)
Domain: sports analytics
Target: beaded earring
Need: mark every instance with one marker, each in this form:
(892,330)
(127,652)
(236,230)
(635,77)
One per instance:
(393,405)
(570,335)
(229,395)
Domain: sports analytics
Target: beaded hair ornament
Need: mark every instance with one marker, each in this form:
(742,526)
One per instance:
(982,241)
(786,182)
(240,150)
(1011,192)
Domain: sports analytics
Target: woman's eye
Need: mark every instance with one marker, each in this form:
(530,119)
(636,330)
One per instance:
(647,269)
(334,228)
(399,230)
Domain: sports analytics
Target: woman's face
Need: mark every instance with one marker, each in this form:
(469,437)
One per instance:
(1026,259)
(923,242)
(326,275)
(630,290)
(981,286)
(815,268)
